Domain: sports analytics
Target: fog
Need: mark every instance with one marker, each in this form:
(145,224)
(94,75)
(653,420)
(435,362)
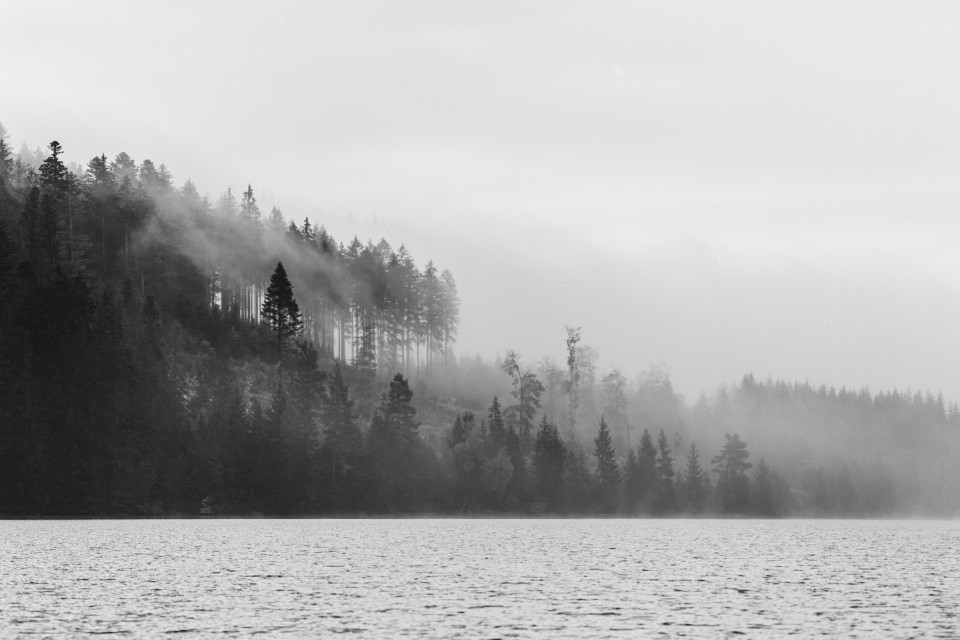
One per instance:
(753,188)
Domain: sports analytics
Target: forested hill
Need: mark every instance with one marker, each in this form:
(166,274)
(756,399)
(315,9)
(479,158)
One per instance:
(164,355)
(136,367)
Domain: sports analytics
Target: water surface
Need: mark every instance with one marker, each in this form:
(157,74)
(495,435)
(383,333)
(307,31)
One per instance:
(480,578)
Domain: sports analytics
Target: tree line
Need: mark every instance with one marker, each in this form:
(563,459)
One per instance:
(137,361)
(160,354)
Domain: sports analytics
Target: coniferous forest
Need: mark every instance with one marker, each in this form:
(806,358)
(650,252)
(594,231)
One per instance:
(165,354)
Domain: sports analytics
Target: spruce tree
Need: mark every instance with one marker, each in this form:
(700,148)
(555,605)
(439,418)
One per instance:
(647,471)
(365,371)
(449,310)
(343,442)
(497,430)
(549,457)
(400,460)
(608,471)
(632,485)
(249,211)
(53,173)
(731,465)
(6,157)
(614,384)
(665,491)
(696,482)
(280,310)
(276,222)
(462,426)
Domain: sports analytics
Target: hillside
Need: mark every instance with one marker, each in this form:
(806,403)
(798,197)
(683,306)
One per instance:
(164,354)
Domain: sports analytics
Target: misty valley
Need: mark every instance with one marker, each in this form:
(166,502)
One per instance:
(162,354)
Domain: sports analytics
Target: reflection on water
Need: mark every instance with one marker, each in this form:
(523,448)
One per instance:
(481,578)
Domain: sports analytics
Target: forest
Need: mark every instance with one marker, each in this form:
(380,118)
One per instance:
(162,354)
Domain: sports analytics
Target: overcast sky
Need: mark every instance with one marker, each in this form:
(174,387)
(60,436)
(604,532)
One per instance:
(728,187)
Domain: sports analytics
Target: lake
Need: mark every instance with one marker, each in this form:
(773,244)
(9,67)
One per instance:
(485,578)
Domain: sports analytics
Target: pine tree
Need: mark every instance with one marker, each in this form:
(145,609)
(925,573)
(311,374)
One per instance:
(53,173)
(665,492)
(647,471)
(614,384)
(276,222)
(164,177)
(549,457)
(497,429)
(280,310)
(696,482)
(400,460)
(365,371)
(343,438)
(249,211)
(573,383)
(6,157)
(731,465)
(608,471)
(431,299)
(770,495)
(462,426)
(468,455)
(527,390)
(306,231)
(631,483)
(397,410)
(449,311)
(149,176)
(123,168)
(30,222)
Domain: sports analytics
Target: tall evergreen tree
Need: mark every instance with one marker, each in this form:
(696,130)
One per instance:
(647,471)
(608,471)
(6,157)
(468,449)
(402,464)
(280,310)
(53,173)
(527,390)
(614,384)
(666,500)
(343,442)
(696,482)
(449,311)
(572,384)
(149,176)
(770,495)
(730,466)
(123,168)
(549,458)
(632,483)
(276,222)
(249,211)
(497,430)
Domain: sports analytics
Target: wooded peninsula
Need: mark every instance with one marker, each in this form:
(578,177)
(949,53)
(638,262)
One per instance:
(165,354)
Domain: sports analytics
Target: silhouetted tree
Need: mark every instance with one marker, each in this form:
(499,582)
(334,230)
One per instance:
(666,498)
(647,471)
(280,310)
(527,390)
(696,482)
(730,466)
(608,471)
(549,457)
(770,495)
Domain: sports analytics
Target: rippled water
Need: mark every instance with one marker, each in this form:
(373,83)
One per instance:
(481,578)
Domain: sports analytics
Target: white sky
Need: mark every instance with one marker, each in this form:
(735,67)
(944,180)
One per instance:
(729,187)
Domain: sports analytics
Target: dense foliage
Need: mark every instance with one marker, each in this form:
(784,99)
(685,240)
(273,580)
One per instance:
(160,354)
